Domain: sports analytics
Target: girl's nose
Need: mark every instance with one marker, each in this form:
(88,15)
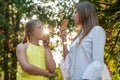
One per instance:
(73,17)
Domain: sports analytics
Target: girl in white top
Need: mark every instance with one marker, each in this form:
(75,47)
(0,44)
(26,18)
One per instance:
(85,59)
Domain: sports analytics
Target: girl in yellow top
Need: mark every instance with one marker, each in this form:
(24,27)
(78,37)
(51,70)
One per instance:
(35,61)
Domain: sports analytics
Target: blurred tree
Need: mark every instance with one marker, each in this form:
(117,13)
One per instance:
(11,12)
(11,29)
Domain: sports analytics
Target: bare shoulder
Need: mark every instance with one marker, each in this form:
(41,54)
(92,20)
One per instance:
(21,47)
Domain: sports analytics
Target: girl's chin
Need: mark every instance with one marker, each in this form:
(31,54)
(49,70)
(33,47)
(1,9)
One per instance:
(43,38)
(75,22)
(40,38)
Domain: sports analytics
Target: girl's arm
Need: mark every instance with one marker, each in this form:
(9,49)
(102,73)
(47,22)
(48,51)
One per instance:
(25,65)
(63,33)
(64,41)
(49,58)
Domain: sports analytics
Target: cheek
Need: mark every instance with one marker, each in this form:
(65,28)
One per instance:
(37,33)
(77,16)
(41,34)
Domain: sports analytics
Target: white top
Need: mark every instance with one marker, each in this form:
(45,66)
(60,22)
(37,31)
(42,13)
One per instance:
(86,60)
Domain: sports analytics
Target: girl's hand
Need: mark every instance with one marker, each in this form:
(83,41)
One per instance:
(63,28)
(50,74)
(46,40)
(63,33)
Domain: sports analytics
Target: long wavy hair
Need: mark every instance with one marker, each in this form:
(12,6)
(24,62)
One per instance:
(87,17)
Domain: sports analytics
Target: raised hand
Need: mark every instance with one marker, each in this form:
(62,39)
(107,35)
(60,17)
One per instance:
(63,28)
(46,40)
(63,34)
(50,74)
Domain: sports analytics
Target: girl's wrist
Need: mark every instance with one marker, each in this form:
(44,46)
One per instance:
(47,45)
(47,73)
(64,37)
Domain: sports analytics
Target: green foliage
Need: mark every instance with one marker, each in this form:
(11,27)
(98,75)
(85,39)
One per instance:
(11,29)
(11,13)
(58,75)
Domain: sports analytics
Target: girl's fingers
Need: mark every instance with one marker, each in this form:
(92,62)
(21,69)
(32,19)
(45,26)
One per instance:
(63,28)
(46,39)
(51,75)
(63,33)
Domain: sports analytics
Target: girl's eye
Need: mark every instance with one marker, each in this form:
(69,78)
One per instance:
(75,11)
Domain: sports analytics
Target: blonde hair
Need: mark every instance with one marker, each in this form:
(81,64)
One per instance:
(29,28)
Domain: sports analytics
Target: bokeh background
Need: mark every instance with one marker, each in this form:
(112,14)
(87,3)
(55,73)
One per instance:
(15,13)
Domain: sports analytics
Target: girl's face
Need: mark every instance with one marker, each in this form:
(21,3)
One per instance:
(76,17)
(37,32)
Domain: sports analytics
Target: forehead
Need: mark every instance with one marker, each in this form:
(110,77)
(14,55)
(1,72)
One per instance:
(38,24)
(75,9)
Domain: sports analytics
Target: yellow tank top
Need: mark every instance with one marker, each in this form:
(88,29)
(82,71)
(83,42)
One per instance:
(35,56)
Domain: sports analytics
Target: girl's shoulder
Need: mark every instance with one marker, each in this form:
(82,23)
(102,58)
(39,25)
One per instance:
(22,46)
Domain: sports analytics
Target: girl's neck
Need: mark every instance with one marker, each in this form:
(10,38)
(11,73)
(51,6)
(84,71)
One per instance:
(35,42)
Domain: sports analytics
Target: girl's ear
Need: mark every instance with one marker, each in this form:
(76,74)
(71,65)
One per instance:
(24,39)
(29,33)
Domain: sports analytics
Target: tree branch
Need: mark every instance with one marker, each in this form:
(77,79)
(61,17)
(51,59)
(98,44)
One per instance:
(115,42)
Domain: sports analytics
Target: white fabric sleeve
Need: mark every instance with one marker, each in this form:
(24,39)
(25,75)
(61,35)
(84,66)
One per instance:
(94,70)
(65,67)
(105,74)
